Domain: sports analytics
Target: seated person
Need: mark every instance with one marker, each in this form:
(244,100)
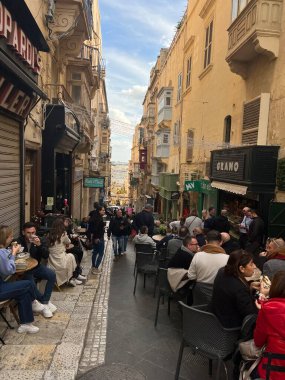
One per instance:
(84,222)
(143,238)
(21,291)
(199,235)
(76,250)
(175,244)
(270,324)
(228,243)
(156,229)
(63,263)
(38,250)
(163,243)
(232,299)
(178,223)
(184,254)
(205,265)
(274,256)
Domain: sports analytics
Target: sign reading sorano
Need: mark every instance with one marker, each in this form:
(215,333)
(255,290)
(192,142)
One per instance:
(95,182)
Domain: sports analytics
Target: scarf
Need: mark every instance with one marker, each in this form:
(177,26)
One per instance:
(213,248)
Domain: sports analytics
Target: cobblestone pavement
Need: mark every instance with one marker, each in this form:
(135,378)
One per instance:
(95,343)
(133,348)
(54,352)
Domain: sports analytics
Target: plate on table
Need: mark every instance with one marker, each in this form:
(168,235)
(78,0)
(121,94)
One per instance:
(23,255)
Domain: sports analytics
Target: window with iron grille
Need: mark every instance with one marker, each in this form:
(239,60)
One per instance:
(188,72)
(251,112)
(208,45)
(190,145)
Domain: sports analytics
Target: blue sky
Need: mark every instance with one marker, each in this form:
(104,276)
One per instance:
(133,31)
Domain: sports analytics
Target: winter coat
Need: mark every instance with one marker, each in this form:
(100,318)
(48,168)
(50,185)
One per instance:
(221,224)
(181,259)
(96,227)
(193,222)
(271,332)
(116,227)
(274,263)
(144,218)
(144,239)
(256,230)
(231,300)
(36,252)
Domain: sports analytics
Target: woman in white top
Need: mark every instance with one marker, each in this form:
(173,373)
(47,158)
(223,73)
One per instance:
(64,264)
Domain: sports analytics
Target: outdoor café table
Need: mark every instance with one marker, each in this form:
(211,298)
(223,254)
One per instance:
(157,237)
(81,230)
(31,264)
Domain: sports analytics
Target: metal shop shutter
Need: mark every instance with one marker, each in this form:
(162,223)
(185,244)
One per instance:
(76,205)
(10,173)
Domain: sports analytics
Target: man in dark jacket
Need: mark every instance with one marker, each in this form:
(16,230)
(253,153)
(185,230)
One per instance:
(38,250)
(144,218)
(255,233)
(185,254)
(116,229)
(221,223)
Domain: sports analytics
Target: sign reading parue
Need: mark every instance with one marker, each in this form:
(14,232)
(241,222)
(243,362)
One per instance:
(94,182)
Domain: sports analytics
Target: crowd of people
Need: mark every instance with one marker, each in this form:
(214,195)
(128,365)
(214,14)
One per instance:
(211,267)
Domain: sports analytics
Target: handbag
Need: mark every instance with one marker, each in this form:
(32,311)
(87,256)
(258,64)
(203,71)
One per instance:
(250,353)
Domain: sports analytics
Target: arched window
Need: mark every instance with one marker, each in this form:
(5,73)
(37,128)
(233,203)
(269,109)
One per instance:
(227,129)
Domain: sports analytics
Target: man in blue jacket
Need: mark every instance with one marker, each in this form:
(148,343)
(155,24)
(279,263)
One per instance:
(144,218)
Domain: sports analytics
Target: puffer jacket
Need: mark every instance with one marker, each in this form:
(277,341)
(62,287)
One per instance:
(270,330)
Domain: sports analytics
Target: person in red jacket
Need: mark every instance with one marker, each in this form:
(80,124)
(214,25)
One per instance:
(270,326)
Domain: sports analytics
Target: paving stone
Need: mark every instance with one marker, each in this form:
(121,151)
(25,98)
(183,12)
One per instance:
(26,357)
(66,356)
(60,375)
(21,375)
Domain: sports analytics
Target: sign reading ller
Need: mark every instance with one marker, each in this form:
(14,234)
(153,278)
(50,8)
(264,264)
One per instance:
(229,167)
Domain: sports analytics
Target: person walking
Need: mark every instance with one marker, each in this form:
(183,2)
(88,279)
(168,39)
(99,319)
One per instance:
(144,218)
(193,221)
(96,230)
(116,230)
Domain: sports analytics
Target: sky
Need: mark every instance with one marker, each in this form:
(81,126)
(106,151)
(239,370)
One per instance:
(133,32)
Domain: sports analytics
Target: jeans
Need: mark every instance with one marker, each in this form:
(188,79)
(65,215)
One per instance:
(126,238)
(23,293)
(118,244)
(42,273)
(97,253)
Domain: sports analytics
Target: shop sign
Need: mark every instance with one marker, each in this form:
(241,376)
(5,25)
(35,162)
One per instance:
(206,186)
(192,186)
(231,167)
(94,182)
(175,195)
(17,40)
(13,99)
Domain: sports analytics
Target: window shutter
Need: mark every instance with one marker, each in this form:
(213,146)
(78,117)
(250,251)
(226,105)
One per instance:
(251,112)
(190,145)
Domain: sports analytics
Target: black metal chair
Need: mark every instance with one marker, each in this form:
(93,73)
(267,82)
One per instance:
(11,305)
(204,334)
(269,367)
(147,264)
(164,289)
(147,248)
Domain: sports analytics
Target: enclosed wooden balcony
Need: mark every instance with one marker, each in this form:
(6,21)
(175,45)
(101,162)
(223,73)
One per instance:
(256,30)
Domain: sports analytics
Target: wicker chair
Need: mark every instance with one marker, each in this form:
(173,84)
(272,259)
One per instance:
(269,367)
(147,264)
(204,334)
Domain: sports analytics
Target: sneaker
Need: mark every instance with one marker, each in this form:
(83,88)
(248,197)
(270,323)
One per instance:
(37,306)
(52,307)
(81,277)
(94,270)
(115,258)
(28,328)
(72,282)
(77,282)
(46,312)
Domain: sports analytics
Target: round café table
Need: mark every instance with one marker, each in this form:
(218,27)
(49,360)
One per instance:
(31,264)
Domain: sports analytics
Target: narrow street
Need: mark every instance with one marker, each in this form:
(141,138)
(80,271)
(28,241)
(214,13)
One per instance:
(135,349)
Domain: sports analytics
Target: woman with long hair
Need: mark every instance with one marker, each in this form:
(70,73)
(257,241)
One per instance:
(96,230)
(232,298)
(63,263)
(21,291)
(270,324)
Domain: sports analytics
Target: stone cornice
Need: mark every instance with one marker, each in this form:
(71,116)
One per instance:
(205,10)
